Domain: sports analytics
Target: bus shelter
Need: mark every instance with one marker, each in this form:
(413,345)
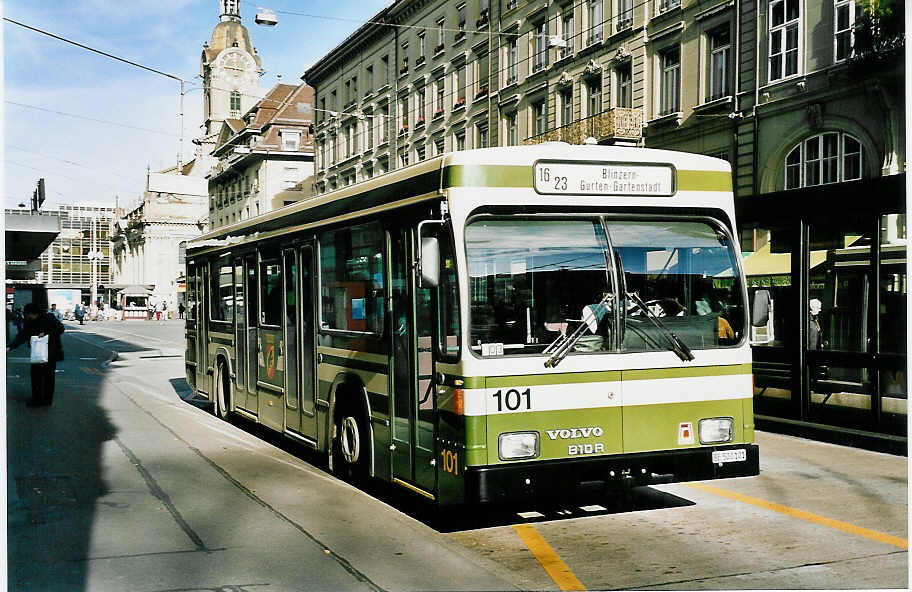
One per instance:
(830,359)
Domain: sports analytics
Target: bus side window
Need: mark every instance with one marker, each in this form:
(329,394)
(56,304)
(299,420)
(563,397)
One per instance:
(270,289)
(448,298)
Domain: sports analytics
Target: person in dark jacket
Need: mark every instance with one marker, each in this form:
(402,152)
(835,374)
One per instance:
(39,324)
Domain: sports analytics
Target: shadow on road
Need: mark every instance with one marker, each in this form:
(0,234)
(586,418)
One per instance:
(55,469)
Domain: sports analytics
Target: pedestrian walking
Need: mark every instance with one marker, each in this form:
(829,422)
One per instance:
(39,324)
(180,310)
(80,313)
(54,312)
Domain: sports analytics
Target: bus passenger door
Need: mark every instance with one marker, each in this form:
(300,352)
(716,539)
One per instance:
(307,342)
(240,335)
(292,412)
(271,342)
(412,376)
(250,342)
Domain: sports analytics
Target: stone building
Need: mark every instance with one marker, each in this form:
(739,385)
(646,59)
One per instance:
(146,236)
(804,99)
(265,157)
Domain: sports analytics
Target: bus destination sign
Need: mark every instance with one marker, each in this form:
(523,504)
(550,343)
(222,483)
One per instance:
(563,178)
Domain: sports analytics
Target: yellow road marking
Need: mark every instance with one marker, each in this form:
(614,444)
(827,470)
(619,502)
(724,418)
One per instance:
(795,513)
(549,560)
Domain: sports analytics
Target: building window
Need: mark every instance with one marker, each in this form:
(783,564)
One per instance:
(460,139)
(421,106)
(384,124)
(784,39)
(482,135)
(844,23)
(593,97)
(369,80)
(460,85)
(440,87)
(567,34)
(719,52)
(669,4)
(420,152)
(438,146)
(831,157)
(510,129)
(291,140)
(369,122)
(404,68)
(421,47)
(511,59)
(384,62)
(595,21)
(235,103)
(403,157)
(671,81)
(482,72)
(441,34)
(461,21)
(624,86)
(566,101)
(540,47)
(403,114)
(354,96)
(539,117)
(625,14)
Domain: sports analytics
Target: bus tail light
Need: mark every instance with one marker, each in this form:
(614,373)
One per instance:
(717,430)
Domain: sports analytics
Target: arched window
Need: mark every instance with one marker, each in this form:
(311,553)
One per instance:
(825,158)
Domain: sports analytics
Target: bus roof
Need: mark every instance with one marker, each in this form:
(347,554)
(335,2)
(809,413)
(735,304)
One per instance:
(486,167)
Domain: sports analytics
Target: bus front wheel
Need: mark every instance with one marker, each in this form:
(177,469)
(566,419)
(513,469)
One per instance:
(223,392)
(351,445)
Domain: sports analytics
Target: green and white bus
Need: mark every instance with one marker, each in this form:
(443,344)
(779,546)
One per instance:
(490,324)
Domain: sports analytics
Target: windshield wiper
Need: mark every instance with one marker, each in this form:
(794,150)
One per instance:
(677,345)
(563,345)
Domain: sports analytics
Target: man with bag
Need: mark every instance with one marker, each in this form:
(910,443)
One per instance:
(43,331)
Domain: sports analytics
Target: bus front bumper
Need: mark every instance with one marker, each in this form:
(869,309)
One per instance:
(558,478)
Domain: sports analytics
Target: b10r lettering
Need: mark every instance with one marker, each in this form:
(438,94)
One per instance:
(513,399)
(576,449)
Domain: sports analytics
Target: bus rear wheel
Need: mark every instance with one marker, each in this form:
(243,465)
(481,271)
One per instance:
(223,392)
(351,446)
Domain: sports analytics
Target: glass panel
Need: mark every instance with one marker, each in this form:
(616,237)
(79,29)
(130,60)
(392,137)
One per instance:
(839,288)
(271,293)
(894,286)
(524,294)
(351,261)
(190,294)
(686,274)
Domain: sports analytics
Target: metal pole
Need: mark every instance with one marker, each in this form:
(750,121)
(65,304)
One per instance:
(180,131)
(93,290)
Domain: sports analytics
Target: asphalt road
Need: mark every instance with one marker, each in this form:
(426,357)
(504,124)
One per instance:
(124,484)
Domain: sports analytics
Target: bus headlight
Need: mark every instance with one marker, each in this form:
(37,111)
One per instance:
(717,430)
(517,445)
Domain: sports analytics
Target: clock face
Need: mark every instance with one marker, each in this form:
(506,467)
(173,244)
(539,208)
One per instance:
(237,65)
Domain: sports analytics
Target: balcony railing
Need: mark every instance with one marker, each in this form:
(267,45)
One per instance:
(618,123)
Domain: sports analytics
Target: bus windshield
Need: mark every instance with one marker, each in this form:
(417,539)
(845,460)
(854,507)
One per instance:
(529,280)
(532,279)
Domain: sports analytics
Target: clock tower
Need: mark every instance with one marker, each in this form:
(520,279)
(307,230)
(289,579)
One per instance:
(231,69)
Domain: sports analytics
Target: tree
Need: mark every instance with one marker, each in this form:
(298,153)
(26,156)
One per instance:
(879,30)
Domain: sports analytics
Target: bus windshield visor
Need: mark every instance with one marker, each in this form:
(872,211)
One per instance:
(685,273)
(531,281)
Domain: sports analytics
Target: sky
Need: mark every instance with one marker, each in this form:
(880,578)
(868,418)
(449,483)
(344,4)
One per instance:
(90,125)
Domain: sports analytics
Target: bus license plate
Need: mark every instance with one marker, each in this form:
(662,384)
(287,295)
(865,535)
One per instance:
(724,456)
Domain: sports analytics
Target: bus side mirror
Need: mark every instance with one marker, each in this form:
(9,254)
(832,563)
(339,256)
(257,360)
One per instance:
(430,262)
(760,308)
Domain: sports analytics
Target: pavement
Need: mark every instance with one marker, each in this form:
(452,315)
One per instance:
(122,485)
